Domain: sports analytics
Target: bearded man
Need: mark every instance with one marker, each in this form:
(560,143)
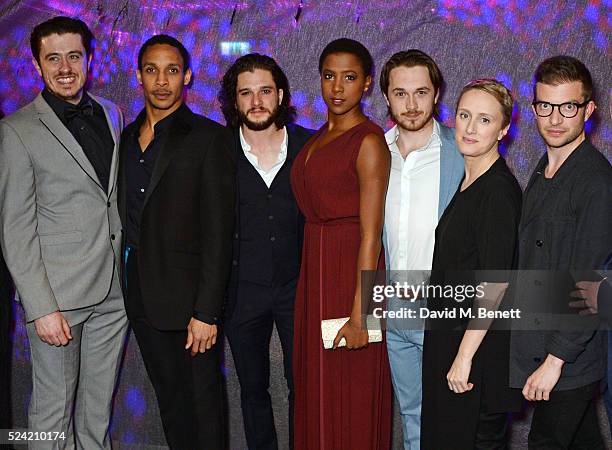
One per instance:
(256,102)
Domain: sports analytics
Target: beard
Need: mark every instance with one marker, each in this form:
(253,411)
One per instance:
(262,125)
(410,124)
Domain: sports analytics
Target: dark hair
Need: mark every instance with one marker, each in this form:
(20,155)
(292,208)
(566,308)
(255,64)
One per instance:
(564,69)
(248,63)
(411,58)
(60,25)
(161,39)
(345,45)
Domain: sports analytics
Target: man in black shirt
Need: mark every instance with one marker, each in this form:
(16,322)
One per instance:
(176,201)
(566,225)
(61,238)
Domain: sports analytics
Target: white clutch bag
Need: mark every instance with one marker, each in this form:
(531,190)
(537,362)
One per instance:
(330,328)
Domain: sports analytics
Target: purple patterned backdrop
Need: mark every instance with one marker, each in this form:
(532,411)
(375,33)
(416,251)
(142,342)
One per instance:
(504,39)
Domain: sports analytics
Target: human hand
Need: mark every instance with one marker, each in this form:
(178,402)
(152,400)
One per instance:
(53,329)
(200,336)
(543,380)
(356,336)
(586,293)
(458,375)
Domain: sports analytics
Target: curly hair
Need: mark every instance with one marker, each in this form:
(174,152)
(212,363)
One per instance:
(248,63)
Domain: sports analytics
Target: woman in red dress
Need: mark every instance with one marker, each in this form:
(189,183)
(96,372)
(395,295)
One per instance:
(342,396)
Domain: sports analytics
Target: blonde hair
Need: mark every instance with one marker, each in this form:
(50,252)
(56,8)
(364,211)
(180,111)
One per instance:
(495,88)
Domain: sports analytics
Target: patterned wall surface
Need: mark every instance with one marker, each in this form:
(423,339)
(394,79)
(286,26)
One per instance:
(504,39)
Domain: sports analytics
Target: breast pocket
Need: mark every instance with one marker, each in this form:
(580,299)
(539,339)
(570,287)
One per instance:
(70,237)
(57,225)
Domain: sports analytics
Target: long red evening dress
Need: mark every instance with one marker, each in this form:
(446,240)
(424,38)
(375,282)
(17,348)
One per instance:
(342,397)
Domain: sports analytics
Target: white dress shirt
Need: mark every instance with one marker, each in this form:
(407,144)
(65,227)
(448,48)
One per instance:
(267,175)
(411,210)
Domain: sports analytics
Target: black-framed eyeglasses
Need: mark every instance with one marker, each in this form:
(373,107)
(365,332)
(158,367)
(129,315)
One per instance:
(567,110)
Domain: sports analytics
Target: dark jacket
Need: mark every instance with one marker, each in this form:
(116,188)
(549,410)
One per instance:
(296,140)
(184,248)
(567,229)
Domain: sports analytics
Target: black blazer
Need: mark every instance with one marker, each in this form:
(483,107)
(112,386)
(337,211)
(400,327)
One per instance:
(298,136)
(186,224)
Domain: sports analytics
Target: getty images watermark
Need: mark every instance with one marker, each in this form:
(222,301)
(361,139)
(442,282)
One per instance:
(479,299)
(457,293)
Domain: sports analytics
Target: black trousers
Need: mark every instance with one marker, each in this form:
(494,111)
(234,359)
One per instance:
(492,430)
(249,331)
(189,389)
(567,421)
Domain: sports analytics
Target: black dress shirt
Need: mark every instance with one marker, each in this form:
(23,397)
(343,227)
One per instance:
(87,123)
(139,168)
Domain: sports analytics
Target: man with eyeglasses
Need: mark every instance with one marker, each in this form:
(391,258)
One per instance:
(566,225)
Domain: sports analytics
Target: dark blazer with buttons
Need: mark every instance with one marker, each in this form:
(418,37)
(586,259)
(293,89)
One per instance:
(186,224)
(297,138)
(566,230)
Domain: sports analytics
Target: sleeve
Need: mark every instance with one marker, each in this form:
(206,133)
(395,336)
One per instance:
(604,302)
(217,198)
(18,237)
(593,237)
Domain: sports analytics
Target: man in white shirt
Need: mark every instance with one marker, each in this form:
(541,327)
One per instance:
(255,100)
(426,168)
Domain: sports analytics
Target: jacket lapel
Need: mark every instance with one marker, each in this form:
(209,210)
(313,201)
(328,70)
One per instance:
(59,131)
(115,130)
(528,215)
(447,162)
(292,150)
(177,130)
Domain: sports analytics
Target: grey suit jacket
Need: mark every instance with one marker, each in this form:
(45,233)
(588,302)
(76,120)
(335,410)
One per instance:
(60,230)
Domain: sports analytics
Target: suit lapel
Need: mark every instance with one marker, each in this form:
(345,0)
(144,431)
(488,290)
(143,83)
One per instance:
(447,190)
(528,216)
(115,130)
(291,152)
(59,131)
(176,132)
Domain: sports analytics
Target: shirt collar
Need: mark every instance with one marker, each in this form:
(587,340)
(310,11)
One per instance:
(247,148)
(160,127)
(59,105)
(392,135)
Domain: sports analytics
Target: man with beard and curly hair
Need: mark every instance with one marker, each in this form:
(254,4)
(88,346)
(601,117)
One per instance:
(256,102)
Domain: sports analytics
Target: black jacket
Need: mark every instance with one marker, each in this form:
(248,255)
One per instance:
(186,224)
(297,138)
(567,229)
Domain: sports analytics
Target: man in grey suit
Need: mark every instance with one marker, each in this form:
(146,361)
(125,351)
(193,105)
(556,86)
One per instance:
(61,235)
(426,168)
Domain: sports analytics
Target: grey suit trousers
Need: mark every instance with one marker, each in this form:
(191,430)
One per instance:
(80,375)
